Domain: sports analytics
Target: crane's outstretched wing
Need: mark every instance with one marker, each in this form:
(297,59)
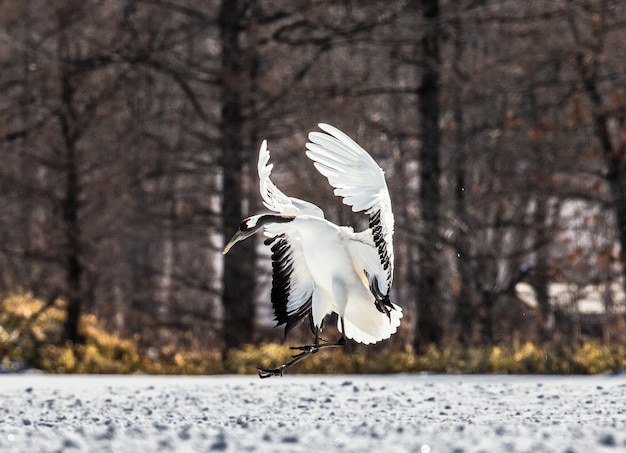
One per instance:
(276,200)
(292,282)
(361,182)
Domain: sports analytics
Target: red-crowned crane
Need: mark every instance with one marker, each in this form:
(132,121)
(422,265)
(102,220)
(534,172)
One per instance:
(320,268)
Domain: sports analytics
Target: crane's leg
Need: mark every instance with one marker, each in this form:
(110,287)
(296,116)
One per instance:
(307,350)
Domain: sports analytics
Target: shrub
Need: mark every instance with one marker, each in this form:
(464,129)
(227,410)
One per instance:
(31,335)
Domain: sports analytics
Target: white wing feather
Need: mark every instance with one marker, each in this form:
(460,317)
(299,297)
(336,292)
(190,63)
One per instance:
(361,182)
(273,198)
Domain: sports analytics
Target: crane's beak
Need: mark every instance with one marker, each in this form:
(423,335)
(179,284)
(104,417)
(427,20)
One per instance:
(239,236)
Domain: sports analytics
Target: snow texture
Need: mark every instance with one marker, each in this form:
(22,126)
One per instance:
(399,413)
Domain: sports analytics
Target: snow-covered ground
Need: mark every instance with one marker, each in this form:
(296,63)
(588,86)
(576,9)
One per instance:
(399,413)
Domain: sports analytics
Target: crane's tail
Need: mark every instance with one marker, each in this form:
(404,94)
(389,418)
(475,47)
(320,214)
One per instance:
(367,325)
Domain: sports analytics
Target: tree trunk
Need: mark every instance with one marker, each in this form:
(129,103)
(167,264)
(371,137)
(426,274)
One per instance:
(488,302)
(615,157)
(541,280)
(466,310)
(238,278)
(540,277)
(429,328)
(71,200)
(74,270)
(466,313)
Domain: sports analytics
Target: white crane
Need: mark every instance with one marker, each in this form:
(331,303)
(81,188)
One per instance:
(319,267)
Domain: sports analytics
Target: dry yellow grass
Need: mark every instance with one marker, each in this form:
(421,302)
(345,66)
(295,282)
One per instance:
(32,336)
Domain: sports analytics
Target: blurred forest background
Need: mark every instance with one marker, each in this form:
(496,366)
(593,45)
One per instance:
(129,132)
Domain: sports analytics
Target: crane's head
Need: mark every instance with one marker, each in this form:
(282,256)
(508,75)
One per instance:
(247,228)
(252,224)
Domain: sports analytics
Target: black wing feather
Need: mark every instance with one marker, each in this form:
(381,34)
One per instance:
(282,265)
(383,304)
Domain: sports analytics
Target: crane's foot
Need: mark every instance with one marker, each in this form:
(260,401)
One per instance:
(279,371)
(307,350)
(315,347)
(269,372)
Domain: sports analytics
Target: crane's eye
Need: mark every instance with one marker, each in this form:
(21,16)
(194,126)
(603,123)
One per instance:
(247,224)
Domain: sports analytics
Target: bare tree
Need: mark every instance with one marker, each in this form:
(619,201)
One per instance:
(66,116)
(594,45)
(236,159)
(429,329)
(112,118)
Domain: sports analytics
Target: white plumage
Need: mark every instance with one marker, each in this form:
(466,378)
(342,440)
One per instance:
(273,198)
(319,267)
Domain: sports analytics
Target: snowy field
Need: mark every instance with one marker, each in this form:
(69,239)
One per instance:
(401,413)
